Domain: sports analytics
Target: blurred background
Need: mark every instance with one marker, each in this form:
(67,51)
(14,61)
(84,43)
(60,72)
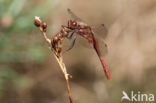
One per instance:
(29,72)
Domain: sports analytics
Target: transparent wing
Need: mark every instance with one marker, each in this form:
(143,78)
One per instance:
(69,43)
(100,30)
(103,48)
(74,16)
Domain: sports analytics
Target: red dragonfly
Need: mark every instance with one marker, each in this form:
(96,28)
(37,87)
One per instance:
(79,27)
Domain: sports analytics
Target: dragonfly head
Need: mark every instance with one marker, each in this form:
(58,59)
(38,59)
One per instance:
(72,24)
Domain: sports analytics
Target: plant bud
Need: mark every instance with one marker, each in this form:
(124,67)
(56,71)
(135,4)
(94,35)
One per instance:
(37,21)
(44,26)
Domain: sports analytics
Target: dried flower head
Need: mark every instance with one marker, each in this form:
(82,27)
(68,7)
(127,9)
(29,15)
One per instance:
(44,26)
(37,21)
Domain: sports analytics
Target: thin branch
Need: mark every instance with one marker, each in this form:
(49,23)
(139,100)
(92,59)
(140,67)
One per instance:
(66,76)
(45,36)
(59,59)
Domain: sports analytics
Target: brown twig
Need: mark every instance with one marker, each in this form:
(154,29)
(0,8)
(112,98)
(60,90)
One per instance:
(66,75)
(42,26)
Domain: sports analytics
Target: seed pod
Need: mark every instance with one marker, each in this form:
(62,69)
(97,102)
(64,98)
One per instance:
(44,26)
(37,21)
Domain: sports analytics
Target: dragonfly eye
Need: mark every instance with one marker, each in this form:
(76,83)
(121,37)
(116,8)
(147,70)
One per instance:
(74,23)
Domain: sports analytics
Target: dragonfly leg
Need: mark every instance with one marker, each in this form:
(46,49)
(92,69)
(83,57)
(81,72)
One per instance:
(70,36)
(63,26)
(72,43)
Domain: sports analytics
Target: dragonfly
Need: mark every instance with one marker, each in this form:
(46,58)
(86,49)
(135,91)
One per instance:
(76,26)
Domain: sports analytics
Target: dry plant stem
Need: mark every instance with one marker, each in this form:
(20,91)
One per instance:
(62,66)
(45,36)
(66,76)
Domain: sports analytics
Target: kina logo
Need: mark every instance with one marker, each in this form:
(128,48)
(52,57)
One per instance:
(138,96)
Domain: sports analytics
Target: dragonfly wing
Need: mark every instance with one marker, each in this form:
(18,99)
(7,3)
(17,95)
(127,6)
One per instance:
(100,30)
(69,43)
(99,47)
(103,48)
(74,16)
(72,43)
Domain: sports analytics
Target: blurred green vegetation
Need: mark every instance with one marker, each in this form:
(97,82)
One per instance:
(16,27)
(16,45)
